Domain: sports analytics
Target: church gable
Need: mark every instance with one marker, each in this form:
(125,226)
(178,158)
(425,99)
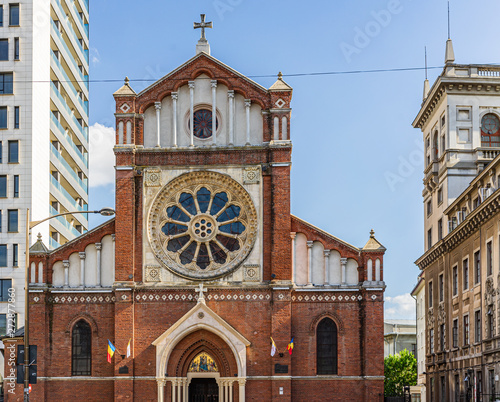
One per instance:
(227,108)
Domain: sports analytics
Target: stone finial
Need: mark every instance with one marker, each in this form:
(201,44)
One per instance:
(427,89)
(126,89)
(280,76)
(39,236)
(449,57)
(372,234)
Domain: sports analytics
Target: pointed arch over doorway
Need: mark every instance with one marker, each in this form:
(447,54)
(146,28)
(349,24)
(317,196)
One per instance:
(201,330)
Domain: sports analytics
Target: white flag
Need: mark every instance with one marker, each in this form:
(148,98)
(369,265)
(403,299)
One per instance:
(128,348)
(273,347)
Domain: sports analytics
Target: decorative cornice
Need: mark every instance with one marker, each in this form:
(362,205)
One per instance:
(469,226)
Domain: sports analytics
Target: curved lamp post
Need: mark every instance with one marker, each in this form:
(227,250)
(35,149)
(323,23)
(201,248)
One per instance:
(29,226)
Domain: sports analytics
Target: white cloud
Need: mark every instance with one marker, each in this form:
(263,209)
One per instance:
(102,157)
(400,307)
(95,56)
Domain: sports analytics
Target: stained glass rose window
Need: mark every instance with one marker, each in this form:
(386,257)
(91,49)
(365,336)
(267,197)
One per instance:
(202,225)
(203,123)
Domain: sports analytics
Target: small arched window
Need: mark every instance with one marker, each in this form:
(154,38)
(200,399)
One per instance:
(81,351)
(326,347)
(490,130)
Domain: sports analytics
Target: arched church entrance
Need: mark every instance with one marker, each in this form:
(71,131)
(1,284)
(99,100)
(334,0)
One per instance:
(202,367)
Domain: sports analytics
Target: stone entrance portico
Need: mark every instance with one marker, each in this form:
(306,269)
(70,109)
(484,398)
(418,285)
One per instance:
(201,330)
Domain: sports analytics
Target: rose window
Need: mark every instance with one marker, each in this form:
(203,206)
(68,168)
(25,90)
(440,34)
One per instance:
(203,123)
(203,225)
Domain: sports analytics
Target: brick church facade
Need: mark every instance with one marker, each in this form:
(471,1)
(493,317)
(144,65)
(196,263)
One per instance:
(204,263)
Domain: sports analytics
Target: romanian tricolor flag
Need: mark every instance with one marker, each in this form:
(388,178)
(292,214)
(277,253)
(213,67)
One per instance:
(111,351)
(290,346)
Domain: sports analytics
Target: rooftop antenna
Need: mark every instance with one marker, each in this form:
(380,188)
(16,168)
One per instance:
(449,34)
(449,57)
(427,87)
(425,50)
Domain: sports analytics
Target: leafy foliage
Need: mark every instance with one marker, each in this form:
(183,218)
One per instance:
(399,370)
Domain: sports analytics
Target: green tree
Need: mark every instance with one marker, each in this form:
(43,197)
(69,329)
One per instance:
(399,370)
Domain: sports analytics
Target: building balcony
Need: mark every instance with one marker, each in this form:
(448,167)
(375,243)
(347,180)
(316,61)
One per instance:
(70,33)
(67,201)
(68,115)
(62,77)
(61,225)
(68,56)
(79,185)
(84,5)
(53,244)
(83,28)
(487,154)
(80,159)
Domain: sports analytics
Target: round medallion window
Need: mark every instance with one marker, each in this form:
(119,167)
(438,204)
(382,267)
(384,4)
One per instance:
(203,123)
(202,225)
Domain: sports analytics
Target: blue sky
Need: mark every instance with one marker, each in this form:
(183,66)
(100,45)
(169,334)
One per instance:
(357,162)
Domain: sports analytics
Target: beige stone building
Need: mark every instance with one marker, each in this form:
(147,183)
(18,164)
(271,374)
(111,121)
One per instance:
(460,122)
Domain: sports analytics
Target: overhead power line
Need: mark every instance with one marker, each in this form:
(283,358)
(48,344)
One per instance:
(308,74)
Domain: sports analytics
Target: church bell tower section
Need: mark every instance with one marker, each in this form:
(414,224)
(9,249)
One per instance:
(203,178)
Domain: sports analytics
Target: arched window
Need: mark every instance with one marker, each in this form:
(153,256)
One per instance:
(490,130)
(81,350)
(326,347)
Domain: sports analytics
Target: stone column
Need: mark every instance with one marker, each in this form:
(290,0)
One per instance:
(242,382)
(309,262)
(230,95)
(327,266)
(175,96)
(214,111)
(174,383)
(98,247)
(230,385)
(343,261)
(220,383)
(158,123)
(191,112)
(179,389)
(66,272)
(248,103)
(293,235)
(186,388)
(161,389)
(82,268)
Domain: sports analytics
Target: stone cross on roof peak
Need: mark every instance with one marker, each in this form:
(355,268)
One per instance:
(202,25)
(202,45)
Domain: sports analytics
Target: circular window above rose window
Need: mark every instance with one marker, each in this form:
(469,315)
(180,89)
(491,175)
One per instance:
(202,225)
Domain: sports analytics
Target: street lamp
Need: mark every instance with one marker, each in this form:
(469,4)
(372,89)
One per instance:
(29,226)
